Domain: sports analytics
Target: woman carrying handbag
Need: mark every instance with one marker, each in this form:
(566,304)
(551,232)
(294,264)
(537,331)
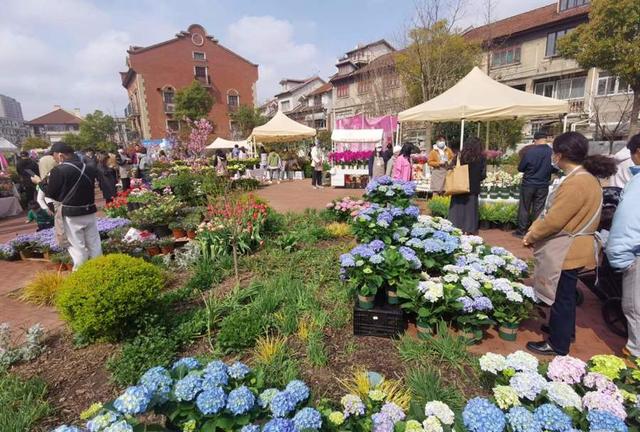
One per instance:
(563,237)
(464,210)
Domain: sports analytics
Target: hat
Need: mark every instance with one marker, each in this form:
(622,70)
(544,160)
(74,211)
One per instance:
(396,149)
(61,147)
(379,145)
(540,135)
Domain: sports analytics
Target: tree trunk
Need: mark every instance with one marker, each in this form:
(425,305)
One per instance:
(635,110)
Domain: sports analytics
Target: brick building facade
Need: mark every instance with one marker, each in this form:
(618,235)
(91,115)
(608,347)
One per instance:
(156,72)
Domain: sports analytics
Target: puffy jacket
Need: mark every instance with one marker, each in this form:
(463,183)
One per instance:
(623,244)
(401,169)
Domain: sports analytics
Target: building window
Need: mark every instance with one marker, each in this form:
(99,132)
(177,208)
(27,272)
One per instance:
(364,86)
(197,55)
(505,56)
(284,105)
(611,85)
(233,98)
(201,74)
(552,42)
(167,95)
(570,88)
(320,124)
(173,125)
(343,90)
(570,4)
(390,81)
(317,100)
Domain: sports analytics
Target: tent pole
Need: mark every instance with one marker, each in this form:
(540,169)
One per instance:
(461,134)
(486,143)
(564,123)
(478,132)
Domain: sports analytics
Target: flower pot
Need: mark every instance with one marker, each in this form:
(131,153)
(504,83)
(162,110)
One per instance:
(167,249)
(392,296)
(424,329)
(153,250)
(178,233)
(473,336)
(68,266)
(191,234)
(485,225)
(365,302)
(508,331)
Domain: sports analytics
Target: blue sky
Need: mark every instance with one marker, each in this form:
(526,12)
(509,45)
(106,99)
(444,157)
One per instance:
(69,52)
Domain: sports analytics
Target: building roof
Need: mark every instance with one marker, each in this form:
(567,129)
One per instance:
(524,22)
(388,59)
(57,116)
(292,80)
(324,88)
(304,83)
(370,44)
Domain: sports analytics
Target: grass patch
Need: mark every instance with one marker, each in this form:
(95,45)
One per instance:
(442,349)
(22,403)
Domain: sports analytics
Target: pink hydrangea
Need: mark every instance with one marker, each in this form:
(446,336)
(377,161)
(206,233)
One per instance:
(605,401)
(599,382)
(566,369)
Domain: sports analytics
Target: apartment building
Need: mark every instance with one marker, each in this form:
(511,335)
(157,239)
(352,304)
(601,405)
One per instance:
(366,82)
(294,92)
(12,125)
(522,51)
(54,125)
(315,108)
(156,72)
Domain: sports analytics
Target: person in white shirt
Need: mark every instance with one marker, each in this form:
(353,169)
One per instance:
(623,175)
(316,162)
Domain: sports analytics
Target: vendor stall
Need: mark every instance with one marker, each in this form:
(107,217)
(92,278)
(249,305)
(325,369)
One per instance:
(224,144)
(350,168)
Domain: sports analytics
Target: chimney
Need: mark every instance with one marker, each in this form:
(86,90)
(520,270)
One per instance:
(76,111)
(57,107)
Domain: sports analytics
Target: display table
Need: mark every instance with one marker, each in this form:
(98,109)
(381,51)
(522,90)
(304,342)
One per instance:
(9,206)
(338,175)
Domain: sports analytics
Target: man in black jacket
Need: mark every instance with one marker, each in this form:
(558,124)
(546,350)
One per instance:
(535,165)
(72,185)
(27,168)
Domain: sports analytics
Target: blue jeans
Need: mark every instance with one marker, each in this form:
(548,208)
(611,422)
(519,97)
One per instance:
(562,320)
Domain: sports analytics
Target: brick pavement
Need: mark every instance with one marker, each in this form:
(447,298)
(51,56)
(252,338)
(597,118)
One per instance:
(592,335)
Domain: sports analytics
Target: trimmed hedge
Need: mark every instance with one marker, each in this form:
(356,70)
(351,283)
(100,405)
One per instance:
(107,295)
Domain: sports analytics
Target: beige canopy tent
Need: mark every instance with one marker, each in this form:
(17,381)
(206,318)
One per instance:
(6,146)
(477,97)
(281,129)
(221,143)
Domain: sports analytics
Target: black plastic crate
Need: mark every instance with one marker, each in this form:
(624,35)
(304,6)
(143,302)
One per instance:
(383,321)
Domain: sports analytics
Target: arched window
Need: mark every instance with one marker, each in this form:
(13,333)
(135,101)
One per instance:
(168,93)
(233,98)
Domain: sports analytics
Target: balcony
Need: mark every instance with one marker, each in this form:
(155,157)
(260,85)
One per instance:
(169,108)
(576,106)
(204,80)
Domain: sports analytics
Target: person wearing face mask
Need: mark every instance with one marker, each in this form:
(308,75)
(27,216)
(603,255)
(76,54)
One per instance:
(623,247)
(439,161)
(377,164)
(535,166)
(563,237)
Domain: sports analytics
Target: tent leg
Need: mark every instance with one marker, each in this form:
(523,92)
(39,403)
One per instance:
(461,134)
(486,142)
(564,123)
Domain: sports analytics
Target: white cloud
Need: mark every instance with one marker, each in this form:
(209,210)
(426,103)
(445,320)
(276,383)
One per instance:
(271,43)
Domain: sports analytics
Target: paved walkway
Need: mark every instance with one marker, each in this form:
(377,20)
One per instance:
(592,335)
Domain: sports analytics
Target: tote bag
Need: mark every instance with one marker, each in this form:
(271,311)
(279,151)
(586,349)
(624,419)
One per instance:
(457,181)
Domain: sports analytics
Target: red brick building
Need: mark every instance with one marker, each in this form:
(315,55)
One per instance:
(156,72)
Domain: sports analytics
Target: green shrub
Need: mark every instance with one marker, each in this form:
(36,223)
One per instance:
(104,298)
(23,403)
(240,329)
(439,206)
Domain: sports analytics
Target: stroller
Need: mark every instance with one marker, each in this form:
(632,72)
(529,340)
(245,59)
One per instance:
(605,282)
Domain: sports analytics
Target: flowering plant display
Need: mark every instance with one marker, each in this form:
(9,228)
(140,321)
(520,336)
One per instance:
(386,191)
(512,301)
(363,267)
(349,157)
(196,397)
(38,242)
(501,179)
(383,223)
(431,299)
(435,240)
(117,207)
(566,392)
(345,209)
(162,211)
(142,196)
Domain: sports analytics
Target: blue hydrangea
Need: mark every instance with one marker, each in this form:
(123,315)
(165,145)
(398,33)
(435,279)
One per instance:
(552,418)
(250,428)
(282,404)
(266,396)
(187,388)
(522,420)
(412,211)
(382,423)
(467,304)
(133,401)
(605,421)
(238,370)
(121,426)
(376,259)
(384,219)
(480,415)
(307,418)
(362,250)
(298,391)
(101,421)
(377,245)
(66,428)
(482,304)
(240,400)
(158,381)
(347,260)
(211,401)
(189,362)
(394,412)
(279,425)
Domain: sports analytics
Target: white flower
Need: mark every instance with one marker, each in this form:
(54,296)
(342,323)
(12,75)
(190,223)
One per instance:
(451,278)
(493,363)
(431,291)
(564,395)
(514,297)
(528,384)
(441,410)
(432,424)
(522,361)
(449,268)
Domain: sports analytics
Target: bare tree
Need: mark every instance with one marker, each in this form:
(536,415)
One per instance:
(612,116)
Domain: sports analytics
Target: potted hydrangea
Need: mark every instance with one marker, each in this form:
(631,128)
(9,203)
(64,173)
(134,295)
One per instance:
(399,267)
(362,267)
(512,303)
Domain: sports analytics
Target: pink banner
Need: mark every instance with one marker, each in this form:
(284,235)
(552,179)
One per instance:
(386,123)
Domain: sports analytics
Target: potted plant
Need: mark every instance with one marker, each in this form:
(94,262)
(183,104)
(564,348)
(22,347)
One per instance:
(399,267)
(166,245)
(472,316)
(177,229)
(362,268)
(152,247)
(63,259)
(512,303)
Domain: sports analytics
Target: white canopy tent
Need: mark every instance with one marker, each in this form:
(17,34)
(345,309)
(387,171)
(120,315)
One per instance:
(6,146)
(281,129)
(357,135)
(221,143)
(477,97)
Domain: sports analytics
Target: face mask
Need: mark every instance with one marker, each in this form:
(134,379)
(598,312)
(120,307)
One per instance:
(440,144)
(554,163)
